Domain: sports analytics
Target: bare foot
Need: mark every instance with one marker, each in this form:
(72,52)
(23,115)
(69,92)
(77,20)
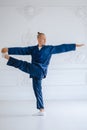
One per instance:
(6,56)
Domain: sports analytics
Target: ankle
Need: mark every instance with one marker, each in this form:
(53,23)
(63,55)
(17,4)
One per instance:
(41,110)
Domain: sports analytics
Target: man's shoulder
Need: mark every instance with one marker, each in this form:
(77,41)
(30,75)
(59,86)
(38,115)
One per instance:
(32,46)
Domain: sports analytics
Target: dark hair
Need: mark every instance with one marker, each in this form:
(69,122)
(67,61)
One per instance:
(39,34)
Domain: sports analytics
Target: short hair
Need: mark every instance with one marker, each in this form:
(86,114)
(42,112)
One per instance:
(39,34)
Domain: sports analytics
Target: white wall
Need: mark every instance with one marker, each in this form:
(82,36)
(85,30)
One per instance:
(67,74)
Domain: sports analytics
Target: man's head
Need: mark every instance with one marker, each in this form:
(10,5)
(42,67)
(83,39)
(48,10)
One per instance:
(41,38)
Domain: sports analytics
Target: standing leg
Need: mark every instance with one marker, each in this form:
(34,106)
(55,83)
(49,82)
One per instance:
(38,93)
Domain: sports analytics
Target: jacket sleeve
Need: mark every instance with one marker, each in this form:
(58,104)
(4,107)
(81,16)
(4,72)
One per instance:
(63,48)
(20,50)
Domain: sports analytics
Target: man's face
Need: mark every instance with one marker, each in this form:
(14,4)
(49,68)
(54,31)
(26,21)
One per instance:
(41,40)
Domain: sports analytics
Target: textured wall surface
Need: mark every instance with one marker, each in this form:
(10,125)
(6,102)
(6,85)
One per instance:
(67,74)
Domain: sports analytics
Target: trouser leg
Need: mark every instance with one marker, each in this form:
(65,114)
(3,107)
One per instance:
(26,67)
(37,87)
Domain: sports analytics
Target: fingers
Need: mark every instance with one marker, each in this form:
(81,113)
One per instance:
(80,45)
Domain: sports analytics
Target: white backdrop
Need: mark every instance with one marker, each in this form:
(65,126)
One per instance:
(67,74)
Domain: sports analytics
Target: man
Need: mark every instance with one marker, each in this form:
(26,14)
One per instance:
(41,55)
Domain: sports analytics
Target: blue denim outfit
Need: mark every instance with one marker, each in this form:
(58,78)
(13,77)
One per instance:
(37,69)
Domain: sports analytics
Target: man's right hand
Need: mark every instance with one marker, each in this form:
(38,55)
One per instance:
(4,50)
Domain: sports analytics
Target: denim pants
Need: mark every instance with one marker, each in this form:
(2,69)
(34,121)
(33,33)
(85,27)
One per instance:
(36,74)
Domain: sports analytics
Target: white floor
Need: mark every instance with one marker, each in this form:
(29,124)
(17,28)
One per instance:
(60,115)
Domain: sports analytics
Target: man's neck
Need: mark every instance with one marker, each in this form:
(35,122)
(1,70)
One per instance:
(40,45)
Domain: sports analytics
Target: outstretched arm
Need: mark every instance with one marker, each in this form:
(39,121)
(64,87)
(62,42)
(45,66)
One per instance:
(65,48)
(18,50)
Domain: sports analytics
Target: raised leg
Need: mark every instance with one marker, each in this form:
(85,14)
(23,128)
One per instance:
(27,67)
